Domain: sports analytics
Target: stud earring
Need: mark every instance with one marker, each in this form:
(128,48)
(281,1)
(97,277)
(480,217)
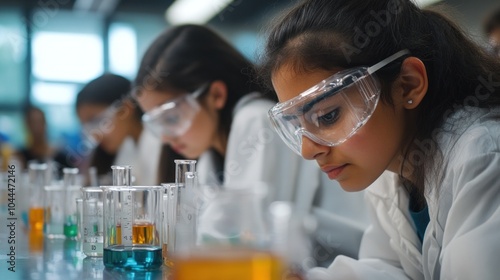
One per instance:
(410,101)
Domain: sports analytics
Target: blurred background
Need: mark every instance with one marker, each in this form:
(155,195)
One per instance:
(50,48)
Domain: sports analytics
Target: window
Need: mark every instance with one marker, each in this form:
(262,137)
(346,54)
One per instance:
(13,89)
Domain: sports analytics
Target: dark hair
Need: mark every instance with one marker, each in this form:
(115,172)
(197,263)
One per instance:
(323,34)
(105,90)
(184,58)
(492,22)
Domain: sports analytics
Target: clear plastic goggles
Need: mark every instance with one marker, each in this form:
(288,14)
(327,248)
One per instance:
(102,122)
(175,117)
(333,110)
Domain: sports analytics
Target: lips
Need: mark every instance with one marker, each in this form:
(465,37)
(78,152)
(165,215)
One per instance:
(177,148)
(333,171)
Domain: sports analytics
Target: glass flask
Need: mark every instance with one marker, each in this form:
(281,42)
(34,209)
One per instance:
(233,239)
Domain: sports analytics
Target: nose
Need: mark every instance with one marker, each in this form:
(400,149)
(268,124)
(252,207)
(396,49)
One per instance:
(311,149)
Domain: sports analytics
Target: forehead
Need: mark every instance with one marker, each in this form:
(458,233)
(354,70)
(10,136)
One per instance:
(86,112)
(149,99)
(288,82)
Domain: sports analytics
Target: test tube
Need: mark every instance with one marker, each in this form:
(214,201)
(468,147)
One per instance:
(79,220)
(183,225)
(168,208)
(72,191)
(122,175)
(92,221)
(187,214)
(38,179)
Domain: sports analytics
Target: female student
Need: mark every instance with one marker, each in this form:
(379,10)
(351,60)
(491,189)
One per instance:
(394,98)
(113,121)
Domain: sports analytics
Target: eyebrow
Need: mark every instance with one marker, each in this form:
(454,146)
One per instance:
(333,91)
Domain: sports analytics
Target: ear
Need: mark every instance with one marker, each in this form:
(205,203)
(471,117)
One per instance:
(217,94)
(413,83)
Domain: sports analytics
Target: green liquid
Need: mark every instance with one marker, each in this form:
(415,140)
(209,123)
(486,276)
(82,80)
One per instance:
(138,258)
(70,230)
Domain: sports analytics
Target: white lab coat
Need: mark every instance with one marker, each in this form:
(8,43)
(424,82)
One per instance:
(256,153)
(143,156)
(462,239)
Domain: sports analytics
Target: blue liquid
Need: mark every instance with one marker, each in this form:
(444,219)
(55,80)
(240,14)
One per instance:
(137,258)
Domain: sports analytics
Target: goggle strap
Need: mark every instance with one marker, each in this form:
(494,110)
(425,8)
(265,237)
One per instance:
(201,90)
(386,61)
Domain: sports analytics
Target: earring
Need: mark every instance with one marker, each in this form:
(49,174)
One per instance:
(410,101)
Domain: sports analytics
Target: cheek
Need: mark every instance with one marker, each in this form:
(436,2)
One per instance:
(199,136)
(373,148)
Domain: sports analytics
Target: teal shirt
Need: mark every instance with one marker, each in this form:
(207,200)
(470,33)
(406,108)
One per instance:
(421,220)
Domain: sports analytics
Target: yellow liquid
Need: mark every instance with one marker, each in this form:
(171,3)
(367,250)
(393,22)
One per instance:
(225,264)
(35,218)
(167,260)
(143,233)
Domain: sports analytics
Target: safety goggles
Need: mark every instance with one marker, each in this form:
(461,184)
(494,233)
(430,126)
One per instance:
(102,122)
(333,110)
(175,117)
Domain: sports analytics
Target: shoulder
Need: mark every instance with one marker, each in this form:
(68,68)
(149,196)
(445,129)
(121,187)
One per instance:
(253,106)
(252,111)
(471,155)
(477,135)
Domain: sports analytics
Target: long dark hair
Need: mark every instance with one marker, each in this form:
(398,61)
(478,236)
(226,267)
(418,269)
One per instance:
(323,34)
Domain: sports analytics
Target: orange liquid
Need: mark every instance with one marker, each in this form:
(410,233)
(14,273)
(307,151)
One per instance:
(35,241)
(235,264)
(141,234)
(35,218)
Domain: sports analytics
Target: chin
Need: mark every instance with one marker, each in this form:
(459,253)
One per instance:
(350,186)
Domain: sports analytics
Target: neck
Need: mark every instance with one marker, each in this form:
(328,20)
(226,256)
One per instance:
(40,147)
(135,131)
(220,144)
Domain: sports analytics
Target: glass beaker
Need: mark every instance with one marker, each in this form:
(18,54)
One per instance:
(92,221)
(233,239)
(54,211)
(132,227)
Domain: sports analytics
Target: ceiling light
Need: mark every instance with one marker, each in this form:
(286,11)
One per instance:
(194,11)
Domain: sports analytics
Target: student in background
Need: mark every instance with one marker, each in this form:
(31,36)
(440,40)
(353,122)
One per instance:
(37,146)
(198,97)
(112,120)
(395,99)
